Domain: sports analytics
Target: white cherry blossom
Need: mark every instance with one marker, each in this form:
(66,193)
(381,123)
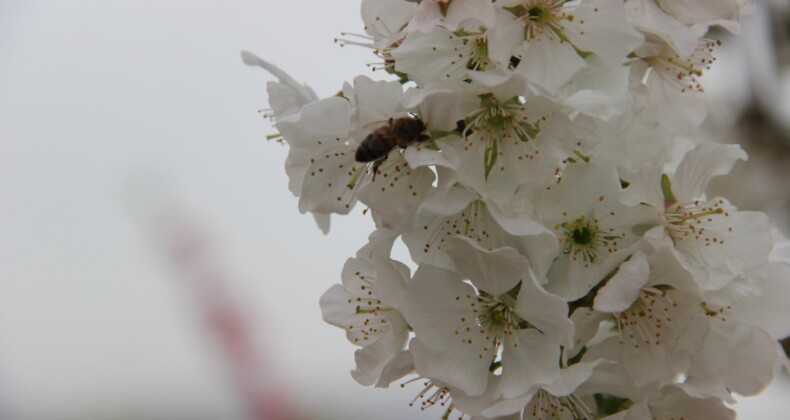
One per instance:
(658,316)
(362,306)
(594,229)
(461,328)
(441,55)
(286,98)
(569,264)
(457,212)
(551,37)
(724,13)
(648,17)
(452,15)
(674,91)
(673,403)
(711,236)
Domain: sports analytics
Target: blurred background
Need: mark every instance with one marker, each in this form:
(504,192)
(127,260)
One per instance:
(153,264)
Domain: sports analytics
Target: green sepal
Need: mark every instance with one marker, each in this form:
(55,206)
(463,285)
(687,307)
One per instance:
(666,190)
(609,404)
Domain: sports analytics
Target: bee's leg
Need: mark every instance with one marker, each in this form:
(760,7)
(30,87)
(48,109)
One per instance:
(376,165)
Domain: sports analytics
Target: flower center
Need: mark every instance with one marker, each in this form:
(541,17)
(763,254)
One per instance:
(542,18)
(643,322)
(537,14)
(370,320)
(489,320)
(545,406)
(693,220)
(477,51)
(684,72)
(582,239)
(497,318)
(474,222)
(583,235)
(496,122)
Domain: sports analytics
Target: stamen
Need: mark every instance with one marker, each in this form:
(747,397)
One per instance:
(472,222)
(355,177)
(695,220)
(370,321)
(542,18)
(431,395)
(545,406)
(495,123)
(643,322)
(584,239)
(684,72)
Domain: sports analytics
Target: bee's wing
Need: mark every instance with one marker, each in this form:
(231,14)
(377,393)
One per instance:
(359,135)
(369,128)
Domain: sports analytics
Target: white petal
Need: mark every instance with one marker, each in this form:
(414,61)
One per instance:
(541,251)
(284,101)
(495,272)
(417,155)
(384,19)
(770,308)
(426,16)
(700,165)
(753,365)
(427,242)
(586,323)
(597,104)
(371,360)
(375,102)
(601,27)
(396,191)
(469,13)
(623,288)
(441,108)
(287,96)
(432,310)
(503,84)
(742,241)
(742,362)
(520,222)
(334,308)
(461,367)
(678,112)
(446,202)
(504,37)
(678,404)
(316,129)
(546,312)
(549,63)
(391,277)
(398,367)
(471,159)
(648,17)
(323,221)
(645,187)
(327,184)
(722,12)
(432,57)
(571,378)
(528,359)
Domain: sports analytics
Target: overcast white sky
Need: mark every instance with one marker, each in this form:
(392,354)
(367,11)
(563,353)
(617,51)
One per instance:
(101,99)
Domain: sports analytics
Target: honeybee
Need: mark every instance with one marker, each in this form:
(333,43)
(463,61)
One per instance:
(381,141)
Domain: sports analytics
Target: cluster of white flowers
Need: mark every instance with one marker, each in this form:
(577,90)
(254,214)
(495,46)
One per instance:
(531,156)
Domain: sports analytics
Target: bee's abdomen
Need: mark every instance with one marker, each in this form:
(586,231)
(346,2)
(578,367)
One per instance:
(372,148)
